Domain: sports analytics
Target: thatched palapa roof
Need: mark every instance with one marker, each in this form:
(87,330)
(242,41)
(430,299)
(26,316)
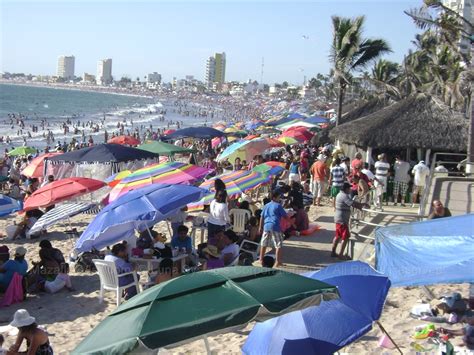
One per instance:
(419,121)
(363,108)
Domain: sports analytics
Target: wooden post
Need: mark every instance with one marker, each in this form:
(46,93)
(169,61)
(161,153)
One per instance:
(386,333)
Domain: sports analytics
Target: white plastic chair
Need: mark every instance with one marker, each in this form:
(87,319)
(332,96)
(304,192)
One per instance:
(109,279)
(240,218)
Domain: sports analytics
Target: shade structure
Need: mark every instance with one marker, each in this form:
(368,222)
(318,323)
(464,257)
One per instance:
(124,140)
(297,123)
(196,132)
(169,131)
(163,148)
(104,153)
(332,325)
(237,182)
(299,134)
(215,142)
(163,173)
(253,125)
(195,305)
(435,251)
(114,179)
(316,120)
(288,140)
(251,136)
(234,131)
(21,151)
(247,149)
(137,210)
(9,205)
(280,121)
(296,115)
(270,169)
(35,168)
(61,190)
(59,214)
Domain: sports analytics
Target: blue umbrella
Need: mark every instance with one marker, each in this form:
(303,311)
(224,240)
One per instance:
(316,120)
(296,115)
(9,205)
(332,325)
(195,132)
(137,210)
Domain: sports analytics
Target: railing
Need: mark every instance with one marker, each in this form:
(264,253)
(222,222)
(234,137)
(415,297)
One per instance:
(433,172)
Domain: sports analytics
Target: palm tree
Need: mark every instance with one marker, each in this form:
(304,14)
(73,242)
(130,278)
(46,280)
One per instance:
(384,76)
(351,52)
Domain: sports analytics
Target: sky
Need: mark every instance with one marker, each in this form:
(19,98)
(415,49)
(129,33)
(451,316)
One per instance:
(175,38)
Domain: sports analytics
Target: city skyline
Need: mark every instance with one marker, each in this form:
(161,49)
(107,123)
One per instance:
(175,39)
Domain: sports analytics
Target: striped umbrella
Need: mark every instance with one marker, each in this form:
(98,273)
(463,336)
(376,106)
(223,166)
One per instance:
(271,168)
(237,182)
(163,173)
(35,169)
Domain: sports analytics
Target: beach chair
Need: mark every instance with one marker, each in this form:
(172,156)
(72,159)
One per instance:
(251,248)
(240,218)
(109,279)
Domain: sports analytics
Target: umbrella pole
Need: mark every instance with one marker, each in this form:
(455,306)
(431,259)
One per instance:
(206,343)
(386,333)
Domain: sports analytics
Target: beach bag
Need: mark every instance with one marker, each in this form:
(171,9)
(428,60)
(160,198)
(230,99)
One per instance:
(56,285)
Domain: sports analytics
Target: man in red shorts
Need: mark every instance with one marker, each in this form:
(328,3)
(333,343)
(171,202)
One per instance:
(342,218)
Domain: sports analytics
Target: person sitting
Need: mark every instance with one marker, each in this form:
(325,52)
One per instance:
(439,211)
(52,260)
(119,257)
(252,229)
(18,265)
(182,240)
(14,190)
(37,340)
(146,239)
(230,251)
(165,271)
(212,256)
(26,223)
(268,261)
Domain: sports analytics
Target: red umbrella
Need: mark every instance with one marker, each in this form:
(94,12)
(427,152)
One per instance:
(35,168)
(251,136)
(169,131)
(128,140)
(299,134)
(61,190)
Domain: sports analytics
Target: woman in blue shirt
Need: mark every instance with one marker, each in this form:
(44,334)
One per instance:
(18,265)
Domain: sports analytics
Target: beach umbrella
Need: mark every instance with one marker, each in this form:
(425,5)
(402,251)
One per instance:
(253,125)
(237,183)
(196,132)
(316,119)
(9,205)
(298,134)
(61,190)
(332,325)
(18,151)
(137,210)
(114,179)
(296,123)
(288,140)
(272,169)
(163,148)
(192,306)
(35,168)
(163,173)
(251,136)
(169,131)
(215,142)
(124,140)
(246,150)
(296,115)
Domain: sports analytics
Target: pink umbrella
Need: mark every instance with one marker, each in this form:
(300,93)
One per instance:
(215,142)
(36,168)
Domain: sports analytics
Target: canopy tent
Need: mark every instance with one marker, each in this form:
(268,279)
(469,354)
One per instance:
(98,162)
(195,132)
(428,252)
(162,148)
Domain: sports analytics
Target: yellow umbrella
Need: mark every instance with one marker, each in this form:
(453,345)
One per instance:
(288,140)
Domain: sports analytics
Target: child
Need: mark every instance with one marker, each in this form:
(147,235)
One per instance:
(252,228)
(182,240)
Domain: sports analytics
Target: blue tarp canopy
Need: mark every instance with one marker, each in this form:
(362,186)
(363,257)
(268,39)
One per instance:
(195,132)
(104,153)
(316,120)
(429,252)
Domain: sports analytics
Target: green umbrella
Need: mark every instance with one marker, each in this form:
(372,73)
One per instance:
(195,305)
(21,151)
(163,148)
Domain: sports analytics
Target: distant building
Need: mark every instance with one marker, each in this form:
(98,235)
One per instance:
(215,69)
(154,78)
(189,78)
(465,8)
(88,78)
(65,68)
(104,72)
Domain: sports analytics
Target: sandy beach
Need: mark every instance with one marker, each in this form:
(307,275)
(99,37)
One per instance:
(70,316)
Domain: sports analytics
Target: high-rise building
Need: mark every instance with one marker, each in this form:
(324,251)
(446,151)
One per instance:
(465,8)
(154,78)
(104,72)
(65,68)
(215,69)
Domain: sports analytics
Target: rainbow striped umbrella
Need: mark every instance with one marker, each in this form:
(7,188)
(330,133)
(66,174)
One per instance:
(237,182)
(163,173)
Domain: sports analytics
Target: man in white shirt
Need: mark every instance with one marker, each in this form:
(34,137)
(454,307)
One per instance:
(420,172)
(381,174)
(401,179)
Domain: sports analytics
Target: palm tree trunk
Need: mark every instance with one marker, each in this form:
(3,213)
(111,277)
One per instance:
(470,138)
(340,99)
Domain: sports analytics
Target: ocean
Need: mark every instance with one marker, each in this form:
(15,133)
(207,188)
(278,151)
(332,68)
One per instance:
(48,109)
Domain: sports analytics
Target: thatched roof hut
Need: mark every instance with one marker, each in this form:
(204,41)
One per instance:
(419,121)
(363,108)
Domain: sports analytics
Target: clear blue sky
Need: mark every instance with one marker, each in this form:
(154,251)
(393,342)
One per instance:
(176,38)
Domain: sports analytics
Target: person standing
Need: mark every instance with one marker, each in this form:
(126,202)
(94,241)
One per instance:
(401,180)
(336,179)
(294,171)
(356,162)
(342,218)
(269,228)
(381,174)
(219,215)
(420,172)
(320,173)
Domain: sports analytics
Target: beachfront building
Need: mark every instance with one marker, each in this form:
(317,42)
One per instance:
(65,69)
(464,8)
(215,69)
(104,72)
(88,78)
(153,78)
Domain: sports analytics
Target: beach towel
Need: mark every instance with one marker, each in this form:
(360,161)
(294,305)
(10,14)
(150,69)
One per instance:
(14,292)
